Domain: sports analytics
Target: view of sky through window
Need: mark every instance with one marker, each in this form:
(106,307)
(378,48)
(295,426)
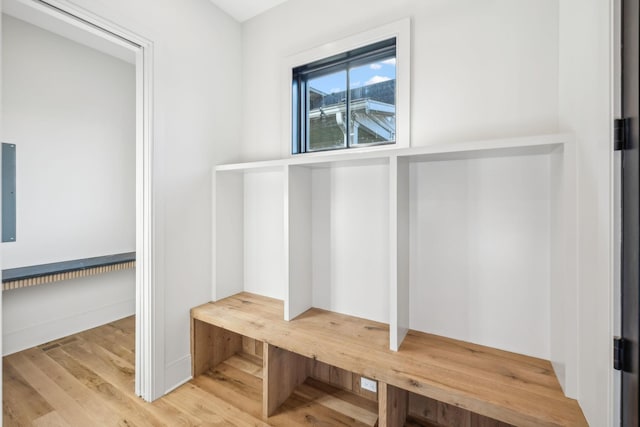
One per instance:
(360,76)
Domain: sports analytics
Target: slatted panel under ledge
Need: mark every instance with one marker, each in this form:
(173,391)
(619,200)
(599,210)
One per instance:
(57,277)
(23,277)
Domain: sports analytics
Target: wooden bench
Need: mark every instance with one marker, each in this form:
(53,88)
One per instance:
(494,386)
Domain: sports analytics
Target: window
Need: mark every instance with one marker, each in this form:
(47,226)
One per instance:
(345,101)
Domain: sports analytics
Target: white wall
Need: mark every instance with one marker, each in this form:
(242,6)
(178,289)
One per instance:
(585,90)
(480,69)
(74,127)
(71,112)
(39,314)
(196,123)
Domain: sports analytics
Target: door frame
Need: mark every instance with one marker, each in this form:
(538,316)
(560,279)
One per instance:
(149,340)
(630,219)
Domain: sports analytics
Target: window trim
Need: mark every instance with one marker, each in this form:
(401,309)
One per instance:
(342,62)
(401,31)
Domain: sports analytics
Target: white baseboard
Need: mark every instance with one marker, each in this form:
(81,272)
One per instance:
(35,335)
(178,372)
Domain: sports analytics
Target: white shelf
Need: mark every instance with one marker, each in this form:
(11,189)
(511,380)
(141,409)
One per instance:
(267,165)
(345,231)
(483,148)
(449,151)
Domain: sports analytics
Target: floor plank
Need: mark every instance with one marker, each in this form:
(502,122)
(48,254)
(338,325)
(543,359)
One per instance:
(211,409)
(52,419)
(232,385)
(66,406)
(72,386)
(22,404)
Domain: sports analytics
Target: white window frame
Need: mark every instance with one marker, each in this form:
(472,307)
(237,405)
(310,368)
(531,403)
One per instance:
(401,30)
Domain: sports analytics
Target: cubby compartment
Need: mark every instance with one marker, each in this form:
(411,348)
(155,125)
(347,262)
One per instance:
(303,391)
(404,408)
(480,241)
(249,230)
(425,412)
(228,365)
(338,238)
(484,250)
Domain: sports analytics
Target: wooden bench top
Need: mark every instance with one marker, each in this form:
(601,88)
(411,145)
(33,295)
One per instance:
(509,387)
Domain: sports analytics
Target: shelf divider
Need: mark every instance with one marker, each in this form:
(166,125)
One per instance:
(399,251)
(283,371)
(298,262)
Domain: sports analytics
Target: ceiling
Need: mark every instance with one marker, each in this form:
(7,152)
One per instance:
(48,18)
(242,10)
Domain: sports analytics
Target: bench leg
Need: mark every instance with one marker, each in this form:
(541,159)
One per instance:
(283,371)
(393,403)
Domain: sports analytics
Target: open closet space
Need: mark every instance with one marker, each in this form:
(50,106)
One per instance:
(69,114)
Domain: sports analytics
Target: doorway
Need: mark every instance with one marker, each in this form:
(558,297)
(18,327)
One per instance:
(73,22)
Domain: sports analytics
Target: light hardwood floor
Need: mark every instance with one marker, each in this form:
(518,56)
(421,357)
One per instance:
(88,380)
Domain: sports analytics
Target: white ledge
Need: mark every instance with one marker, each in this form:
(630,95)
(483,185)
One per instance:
(457,150)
